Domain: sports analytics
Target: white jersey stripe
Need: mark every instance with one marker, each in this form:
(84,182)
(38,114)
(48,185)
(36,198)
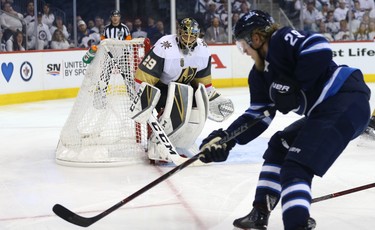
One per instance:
(296,187)
(296,202)
(270,168)
(269,184)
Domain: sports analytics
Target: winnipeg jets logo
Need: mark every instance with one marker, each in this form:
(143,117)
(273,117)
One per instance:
(42,35)
(166,45)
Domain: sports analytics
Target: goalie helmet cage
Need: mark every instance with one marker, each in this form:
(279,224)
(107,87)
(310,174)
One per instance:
(98,131)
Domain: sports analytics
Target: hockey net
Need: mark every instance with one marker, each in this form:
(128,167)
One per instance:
(98,131)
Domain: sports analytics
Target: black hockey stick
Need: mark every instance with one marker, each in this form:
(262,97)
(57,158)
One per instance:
(76,219)
(341,193)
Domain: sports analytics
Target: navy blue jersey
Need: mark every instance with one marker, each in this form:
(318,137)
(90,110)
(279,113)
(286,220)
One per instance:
(306,60)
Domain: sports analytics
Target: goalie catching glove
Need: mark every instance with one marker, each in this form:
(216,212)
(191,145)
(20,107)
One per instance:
(220,108)
(212,150)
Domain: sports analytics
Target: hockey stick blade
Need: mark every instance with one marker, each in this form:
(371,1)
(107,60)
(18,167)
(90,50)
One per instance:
(76,219)
(72,217)
(341,193)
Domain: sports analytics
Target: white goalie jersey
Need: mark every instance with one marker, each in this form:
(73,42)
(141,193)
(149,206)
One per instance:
(167,63)
(183,77)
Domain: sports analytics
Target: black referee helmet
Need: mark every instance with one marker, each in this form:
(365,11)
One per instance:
(115,13)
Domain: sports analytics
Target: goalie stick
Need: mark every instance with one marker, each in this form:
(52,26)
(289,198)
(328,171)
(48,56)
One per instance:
(176,158)
(76,219)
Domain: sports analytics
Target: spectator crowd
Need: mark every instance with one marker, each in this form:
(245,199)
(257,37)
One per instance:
(23,31)
(337,20)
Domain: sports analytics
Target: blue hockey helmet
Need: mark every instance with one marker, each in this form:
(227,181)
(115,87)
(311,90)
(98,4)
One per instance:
(255,19)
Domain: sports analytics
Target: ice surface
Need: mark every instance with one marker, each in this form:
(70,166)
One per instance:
(206,197)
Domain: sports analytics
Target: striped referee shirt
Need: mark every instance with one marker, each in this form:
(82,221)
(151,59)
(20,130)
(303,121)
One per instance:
(120,32)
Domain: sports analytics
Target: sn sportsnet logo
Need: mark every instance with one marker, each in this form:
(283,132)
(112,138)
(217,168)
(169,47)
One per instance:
(53,69)
(281,88)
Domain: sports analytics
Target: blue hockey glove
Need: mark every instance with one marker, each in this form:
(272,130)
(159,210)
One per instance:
(285,95)
(214,152)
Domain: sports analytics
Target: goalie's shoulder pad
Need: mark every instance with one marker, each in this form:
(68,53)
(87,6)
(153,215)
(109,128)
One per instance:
(144,102)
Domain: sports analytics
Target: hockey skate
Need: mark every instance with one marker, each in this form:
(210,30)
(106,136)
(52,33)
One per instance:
(369,133)
(256,219)
(367,138)
(311,224)
(259,215)
(157,153)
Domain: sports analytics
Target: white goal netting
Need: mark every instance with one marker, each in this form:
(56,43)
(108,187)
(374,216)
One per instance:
(98,131)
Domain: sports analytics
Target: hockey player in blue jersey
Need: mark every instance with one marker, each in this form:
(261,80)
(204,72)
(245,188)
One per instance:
(293,71)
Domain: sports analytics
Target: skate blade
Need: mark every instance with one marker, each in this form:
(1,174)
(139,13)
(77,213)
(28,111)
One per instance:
(236,228)
(366,140)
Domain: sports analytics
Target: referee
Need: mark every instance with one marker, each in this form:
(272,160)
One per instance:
(116,29)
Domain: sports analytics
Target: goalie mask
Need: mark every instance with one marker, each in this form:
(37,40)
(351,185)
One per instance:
(188,33)
(248,23)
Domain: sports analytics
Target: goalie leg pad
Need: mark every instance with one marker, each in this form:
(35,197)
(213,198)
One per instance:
(144,102)
(177,107)
(182,123)
(185,135)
